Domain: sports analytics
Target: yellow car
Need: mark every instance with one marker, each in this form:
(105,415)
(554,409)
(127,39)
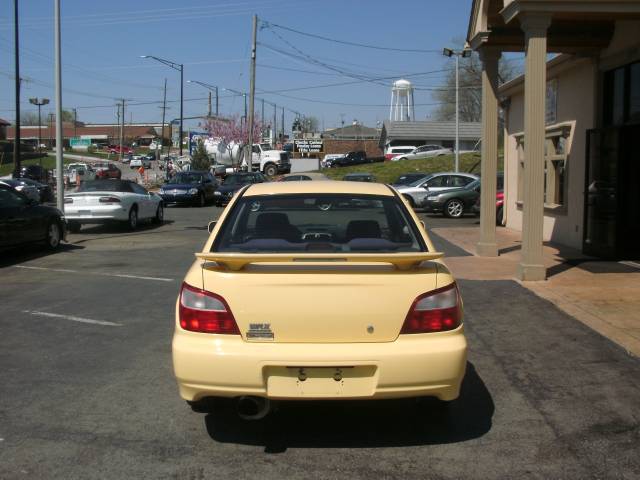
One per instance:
(318,290)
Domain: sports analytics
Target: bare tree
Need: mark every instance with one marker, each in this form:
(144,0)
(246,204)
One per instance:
(470,82)
(29,118)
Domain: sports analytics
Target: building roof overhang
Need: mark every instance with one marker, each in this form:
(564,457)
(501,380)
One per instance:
(577,26)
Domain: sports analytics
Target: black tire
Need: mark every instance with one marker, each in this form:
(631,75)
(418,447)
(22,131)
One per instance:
(74,227)
(159,218)
(54,235)
(499,215)
(454,208)
(270,170)
(401,158)
(411,201)
(201,200)
(132,223)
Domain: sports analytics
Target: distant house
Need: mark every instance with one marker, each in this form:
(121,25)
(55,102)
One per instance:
(3,129)
(352,138)
(425,133)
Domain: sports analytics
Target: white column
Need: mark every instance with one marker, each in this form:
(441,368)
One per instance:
(487,246)
(535,32)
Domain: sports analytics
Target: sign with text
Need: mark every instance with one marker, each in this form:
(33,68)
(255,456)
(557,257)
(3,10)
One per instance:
(308,145)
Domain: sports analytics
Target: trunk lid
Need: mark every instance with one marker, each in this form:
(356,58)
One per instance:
(318,301)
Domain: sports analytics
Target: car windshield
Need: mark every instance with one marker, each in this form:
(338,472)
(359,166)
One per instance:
(420,180)
(237,180)
(105,186)
(190,178)
(318,223)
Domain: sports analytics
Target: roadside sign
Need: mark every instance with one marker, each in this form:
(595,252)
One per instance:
(79,142)
(308,146)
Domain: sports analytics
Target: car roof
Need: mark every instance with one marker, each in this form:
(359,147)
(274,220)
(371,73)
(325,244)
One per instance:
(329,186)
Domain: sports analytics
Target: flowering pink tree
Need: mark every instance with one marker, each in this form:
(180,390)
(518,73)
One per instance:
(233,132)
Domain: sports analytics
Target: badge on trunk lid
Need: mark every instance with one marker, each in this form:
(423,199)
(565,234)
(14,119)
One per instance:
(259,331)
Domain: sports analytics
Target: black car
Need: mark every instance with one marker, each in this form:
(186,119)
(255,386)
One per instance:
(25,221)
(351,158)
(35,172)
(359,177)
(235,182)
(45,191)
(193,188)
(295,178)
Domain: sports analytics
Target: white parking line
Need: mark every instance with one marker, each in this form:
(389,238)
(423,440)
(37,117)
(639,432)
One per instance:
(72,318)
(119,275)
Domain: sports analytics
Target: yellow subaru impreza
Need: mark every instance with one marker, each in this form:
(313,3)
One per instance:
(318,290)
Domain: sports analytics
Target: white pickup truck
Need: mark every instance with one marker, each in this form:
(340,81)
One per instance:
(75,170)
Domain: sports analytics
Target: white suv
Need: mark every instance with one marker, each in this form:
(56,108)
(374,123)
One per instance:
(398,150)
(425,151)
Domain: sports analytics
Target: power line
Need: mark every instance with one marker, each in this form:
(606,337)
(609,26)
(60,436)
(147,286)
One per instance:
(345,42)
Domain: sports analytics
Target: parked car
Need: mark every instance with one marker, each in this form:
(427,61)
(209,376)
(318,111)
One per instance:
(138,161)
(408,178)
(351,158)
(326,160)
(104,201)
(295,178)
(78,173)
(359,177)
(417,192)
(45,192)
(396,151)
(234,182)
(107,170)
(193,188)
(19,185)
(342,335)
(35,172)
(425,151)
(116,149)
(499,200)
(453,202)
(23,221)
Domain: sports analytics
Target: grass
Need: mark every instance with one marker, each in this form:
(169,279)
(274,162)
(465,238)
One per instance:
(48,162)
(387,172)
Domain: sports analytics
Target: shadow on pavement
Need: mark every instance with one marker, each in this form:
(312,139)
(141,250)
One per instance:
(361,424)
(147,228)
(27,253)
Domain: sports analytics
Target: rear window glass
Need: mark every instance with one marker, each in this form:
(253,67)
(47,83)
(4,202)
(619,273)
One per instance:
(105,186)
(318,223)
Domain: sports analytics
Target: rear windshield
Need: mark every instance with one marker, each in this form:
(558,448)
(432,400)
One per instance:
(318,223)
(105,186)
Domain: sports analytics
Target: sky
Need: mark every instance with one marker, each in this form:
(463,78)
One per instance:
(102,43)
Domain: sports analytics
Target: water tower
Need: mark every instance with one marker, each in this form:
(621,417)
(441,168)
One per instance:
(401,101)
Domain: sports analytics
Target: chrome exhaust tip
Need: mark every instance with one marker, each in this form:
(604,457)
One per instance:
(252,408)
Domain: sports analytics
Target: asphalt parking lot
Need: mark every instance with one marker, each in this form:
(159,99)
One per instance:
(87,391)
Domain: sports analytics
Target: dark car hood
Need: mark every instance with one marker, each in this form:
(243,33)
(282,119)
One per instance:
(180,186)
(231,188)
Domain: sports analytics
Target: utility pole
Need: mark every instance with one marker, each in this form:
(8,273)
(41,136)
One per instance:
(16,140)
(252,91)
(262,117)
(75,122)
(282,124)
(275,126)
(50,129)
(58,90)
(164,108)
(448,52)
(209,111)
(121,129)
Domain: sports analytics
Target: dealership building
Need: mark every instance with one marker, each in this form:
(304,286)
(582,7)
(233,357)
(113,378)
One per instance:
(571,156)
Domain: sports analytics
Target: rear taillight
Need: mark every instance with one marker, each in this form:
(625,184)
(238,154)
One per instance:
(436,311)
(68,200)
(109,200)
(205,312)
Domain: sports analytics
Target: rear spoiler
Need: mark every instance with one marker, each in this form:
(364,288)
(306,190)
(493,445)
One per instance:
(237,261)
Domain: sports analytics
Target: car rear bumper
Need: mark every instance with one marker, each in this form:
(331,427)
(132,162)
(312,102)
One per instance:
(96,214)
(227,366)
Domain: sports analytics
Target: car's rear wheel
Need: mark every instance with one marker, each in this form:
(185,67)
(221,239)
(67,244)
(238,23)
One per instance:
(54,235)
(74,227)
(453,208)
(132,223)
(159,218)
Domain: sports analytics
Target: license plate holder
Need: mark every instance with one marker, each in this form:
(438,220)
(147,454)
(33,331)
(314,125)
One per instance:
(321,382)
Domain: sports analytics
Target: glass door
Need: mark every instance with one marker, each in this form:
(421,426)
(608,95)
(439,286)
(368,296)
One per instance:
(601,192)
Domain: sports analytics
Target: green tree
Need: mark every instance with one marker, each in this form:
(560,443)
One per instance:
(200,159)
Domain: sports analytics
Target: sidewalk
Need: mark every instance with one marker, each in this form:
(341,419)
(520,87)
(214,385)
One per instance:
(605,295)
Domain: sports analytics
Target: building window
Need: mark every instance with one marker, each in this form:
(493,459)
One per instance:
(555,165)
(621,98)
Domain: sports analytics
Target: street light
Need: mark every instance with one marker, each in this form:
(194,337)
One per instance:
(179,67)
(245,99)
(39,102)
(213,88)
(464,53)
